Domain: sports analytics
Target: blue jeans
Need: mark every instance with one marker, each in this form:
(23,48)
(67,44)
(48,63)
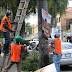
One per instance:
(56,60)
(7,37)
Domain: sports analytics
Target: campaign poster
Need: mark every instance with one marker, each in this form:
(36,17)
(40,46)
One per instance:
(46,21)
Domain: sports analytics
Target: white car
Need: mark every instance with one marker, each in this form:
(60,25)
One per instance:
(66,54)
(33,46)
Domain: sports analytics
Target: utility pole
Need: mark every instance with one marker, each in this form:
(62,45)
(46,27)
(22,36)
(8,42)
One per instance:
(43,45)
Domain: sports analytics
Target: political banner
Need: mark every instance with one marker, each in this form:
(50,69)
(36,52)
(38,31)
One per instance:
(46,21)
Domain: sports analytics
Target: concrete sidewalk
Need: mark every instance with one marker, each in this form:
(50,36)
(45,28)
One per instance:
(13,69)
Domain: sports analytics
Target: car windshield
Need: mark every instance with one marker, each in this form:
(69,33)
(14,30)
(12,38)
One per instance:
(66,46)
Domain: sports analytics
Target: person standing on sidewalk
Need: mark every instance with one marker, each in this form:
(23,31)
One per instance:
(16,55)
(6,28)
(55,47)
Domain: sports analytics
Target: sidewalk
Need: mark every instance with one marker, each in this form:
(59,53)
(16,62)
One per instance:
(14,69)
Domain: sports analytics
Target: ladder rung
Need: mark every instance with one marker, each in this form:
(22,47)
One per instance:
(21,8)
(18,15)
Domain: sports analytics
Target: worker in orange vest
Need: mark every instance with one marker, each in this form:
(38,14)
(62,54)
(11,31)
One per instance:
(6,28)
(16,54)
(55,47)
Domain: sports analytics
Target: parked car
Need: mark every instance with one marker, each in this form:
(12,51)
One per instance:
(66,54)
(34,45)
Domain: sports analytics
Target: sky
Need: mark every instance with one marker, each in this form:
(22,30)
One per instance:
(70,3)
(33,18)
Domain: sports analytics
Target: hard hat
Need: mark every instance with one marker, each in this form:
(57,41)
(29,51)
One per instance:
(18,38)
(24,45)
(8,12)
(57,35)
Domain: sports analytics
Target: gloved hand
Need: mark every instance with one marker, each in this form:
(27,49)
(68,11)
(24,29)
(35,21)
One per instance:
(12,31)
(16,22)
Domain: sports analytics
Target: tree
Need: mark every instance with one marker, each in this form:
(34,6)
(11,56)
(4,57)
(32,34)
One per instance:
(13,6)
(56,6)
(28,27)
(43,45)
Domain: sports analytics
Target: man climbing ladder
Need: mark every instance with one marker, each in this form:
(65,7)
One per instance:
(6,29)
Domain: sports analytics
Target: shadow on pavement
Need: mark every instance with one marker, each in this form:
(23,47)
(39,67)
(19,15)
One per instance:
(66,68)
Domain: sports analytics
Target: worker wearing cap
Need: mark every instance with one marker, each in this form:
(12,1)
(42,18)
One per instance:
(55,47)
(16,54)
(6,28)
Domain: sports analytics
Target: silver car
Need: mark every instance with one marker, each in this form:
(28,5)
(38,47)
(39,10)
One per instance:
(66,54)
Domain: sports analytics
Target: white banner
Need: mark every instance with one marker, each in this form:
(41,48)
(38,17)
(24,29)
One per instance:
(46,16)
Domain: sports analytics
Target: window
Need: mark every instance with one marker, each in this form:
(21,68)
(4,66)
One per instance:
(59,19)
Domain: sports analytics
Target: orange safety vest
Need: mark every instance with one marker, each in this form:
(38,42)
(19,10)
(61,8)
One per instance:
(15,52)
(9,24)
(57,46)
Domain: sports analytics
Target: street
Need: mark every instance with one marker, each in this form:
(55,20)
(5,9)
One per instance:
(66,68)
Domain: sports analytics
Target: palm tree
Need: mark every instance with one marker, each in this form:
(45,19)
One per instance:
(43,46)
(56,6)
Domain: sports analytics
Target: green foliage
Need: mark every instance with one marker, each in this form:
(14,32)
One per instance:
(24,55)
(67,38)
(28,27)
(33,57)
(25,42)
(13,6)
(31,62)
(31,7)
(57,6)
(27,66)
(1,34)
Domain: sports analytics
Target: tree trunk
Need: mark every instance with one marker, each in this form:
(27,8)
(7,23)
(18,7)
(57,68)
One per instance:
(23,29)
(14,13)
(43,45)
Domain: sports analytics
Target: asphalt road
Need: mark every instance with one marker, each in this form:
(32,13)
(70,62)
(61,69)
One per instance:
(67,68)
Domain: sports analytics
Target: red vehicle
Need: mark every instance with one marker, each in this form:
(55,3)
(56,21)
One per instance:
(0,47)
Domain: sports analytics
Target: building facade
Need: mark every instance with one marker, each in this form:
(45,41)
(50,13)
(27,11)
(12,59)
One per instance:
(65,21)
(34,31)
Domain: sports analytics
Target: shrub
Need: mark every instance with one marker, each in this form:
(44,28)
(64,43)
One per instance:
(24,55)
(33,57)
(31,62)
(25,42)
(27,66)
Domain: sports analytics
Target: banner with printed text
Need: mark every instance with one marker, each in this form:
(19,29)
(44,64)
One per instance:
(46,21)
